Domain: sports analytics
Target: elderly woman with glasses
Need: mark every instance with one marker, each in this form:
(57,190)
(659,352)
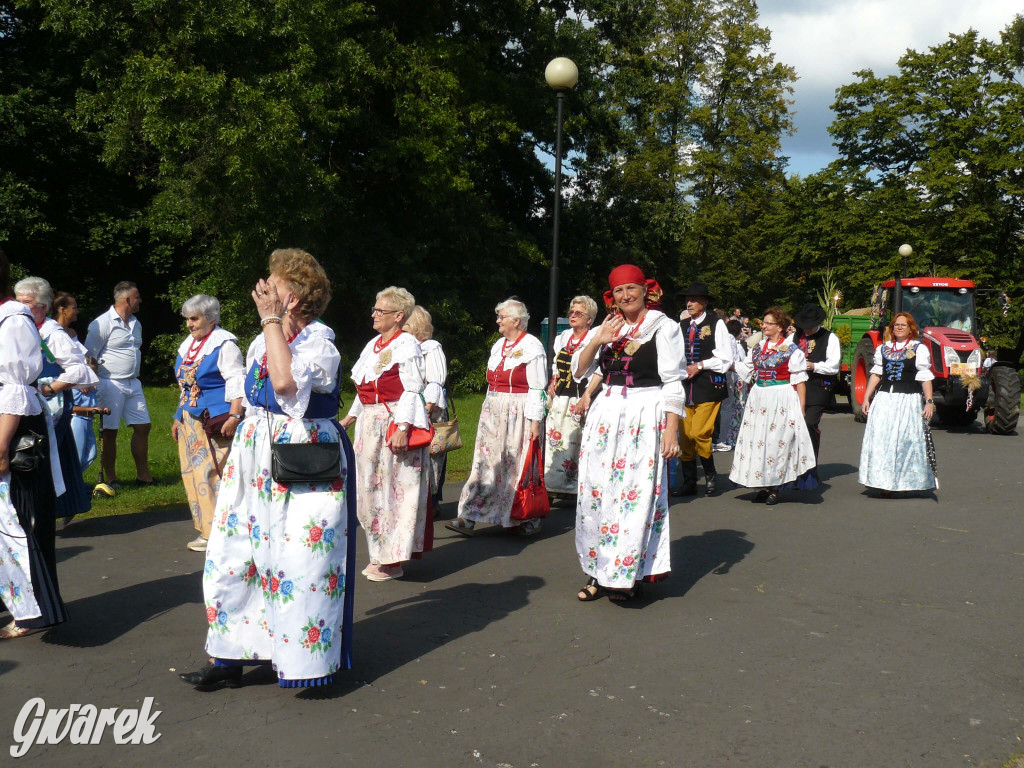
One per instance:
(512,414)
(392,478)
(773,446)
(897,453)
(565,414)
(64,369)
(211,376)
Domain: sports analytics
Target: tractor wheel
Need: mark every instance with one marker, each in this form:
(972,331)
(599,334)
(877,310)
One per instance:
(1004,401)
(863,358)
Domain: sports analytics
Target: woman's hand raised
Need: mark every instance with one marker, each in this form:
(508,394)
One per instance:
(268,302)
(610,328)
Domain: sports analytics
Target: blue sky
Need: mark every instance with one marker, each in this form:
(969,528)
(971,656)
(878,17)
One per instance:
(827,40)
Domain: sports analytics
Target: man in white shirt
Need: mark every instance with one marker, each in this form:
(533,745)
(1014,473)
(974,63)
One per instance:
(824,359)
(115,339)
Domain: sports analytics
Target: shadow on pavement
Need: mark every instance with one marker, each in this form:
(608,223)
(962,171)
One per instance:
(103,618)
(411,628)
(130,523)
(487,542)
(837,469)
(66,553)
(694,557)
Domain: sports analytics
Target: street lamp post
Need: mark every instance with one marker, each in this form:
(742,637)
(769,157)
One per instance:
(561,74)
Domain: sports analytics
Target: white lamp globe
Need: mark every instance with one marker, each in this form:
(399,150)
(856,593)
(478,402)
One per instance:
(561,74)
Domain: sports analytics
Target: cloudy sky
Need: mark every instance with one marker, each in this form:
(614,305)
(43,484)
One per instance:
(827,40)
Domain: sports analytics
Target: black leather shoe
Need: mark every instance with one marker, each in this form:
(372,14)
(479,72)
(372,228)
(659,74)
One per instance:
(687,480)
(213,678)
(709,485)
(708,465)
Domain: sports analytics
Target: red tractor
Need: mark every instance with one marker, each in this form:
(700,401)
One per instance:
(965,381)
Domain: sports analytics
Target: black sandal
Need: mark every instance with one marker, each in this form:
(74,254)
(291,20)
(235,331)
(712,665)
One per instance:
(585,595)
(762,496)
(625,595)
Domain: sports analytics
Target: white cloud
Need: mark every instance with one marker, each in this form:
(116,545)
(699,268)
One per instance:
(827,40)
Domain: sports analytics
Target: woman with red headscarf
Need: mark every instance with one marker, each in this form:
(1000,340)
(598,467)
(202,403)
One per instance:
(622,534)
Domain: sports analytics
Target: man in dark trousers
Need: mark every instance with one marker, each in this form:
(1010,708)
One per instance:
(708,347)
(824,357)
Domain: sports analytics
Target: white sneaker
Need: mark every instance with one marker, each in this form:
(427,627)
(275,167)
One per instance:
(722,447)
(198,544)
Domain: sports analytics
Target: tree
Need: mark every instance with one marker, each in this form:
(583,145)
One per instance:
(944,136)
(395,142)
(690,152)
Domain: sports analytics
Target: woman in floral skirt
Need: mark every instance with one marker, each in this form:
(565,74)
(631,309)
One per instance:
(392,478)
(512,413)
(896,454)
(622,531)
(773,446)
(276,581)
(561,459)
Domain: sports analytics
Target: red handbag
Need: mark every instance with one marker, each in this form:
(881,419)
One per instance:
(531,500)
(418,437)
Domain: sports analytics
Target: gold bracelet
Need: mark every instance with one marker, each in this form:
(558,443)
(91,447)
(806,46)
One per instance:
(268,320)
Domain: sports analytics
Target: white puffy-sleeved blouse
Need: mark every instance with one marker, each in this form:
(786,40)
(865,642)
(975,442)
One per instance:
(534,358)
(21,360)
(797,361)
(436,368)
(671,352)
(922,360)
(67,353)
(229,362)
(561,342)
(405,352)
(314,367)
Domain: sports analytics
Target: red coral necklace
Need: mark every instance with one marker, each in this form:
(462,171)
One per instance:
(380,344)
(194,349)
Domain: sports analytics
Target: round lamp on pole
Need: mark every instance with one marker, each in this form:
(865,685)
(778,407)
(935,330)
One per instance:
(906,251)
(562,75)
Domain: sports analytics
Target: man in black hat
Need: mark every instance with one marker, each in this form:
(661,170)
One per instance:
(708,348)
(824,357)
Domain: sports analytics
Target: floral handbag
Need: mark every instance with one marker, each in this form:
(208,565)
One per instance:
(531,499)
(446,433)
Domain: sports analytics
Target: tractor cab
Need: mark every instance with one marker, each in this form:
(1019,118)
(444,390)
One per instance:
(944,311)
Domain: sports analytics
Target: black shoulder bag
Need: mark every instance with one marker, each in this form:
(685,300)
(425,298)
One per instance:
(304,462)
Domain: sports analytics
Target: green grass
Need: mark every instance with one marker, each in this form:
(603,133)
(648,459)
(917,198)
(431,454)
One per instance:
(163,457)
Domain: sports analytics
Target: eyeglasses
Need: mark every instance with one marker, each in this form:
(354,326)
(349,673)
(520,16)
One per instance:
(900,325)
(504,317)
(576,313)
(379,311)
(768,322)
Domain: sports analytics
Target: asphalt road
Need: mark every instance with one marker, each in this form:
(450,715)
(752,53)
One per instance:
(835,629)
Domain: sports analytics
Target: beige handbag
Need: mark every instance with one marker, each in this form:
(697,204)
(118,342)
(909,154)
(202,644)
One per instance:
(446,433)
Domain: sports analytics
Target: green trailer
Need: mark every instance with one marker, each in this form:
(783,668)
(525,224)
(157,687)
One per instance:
(850,328)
